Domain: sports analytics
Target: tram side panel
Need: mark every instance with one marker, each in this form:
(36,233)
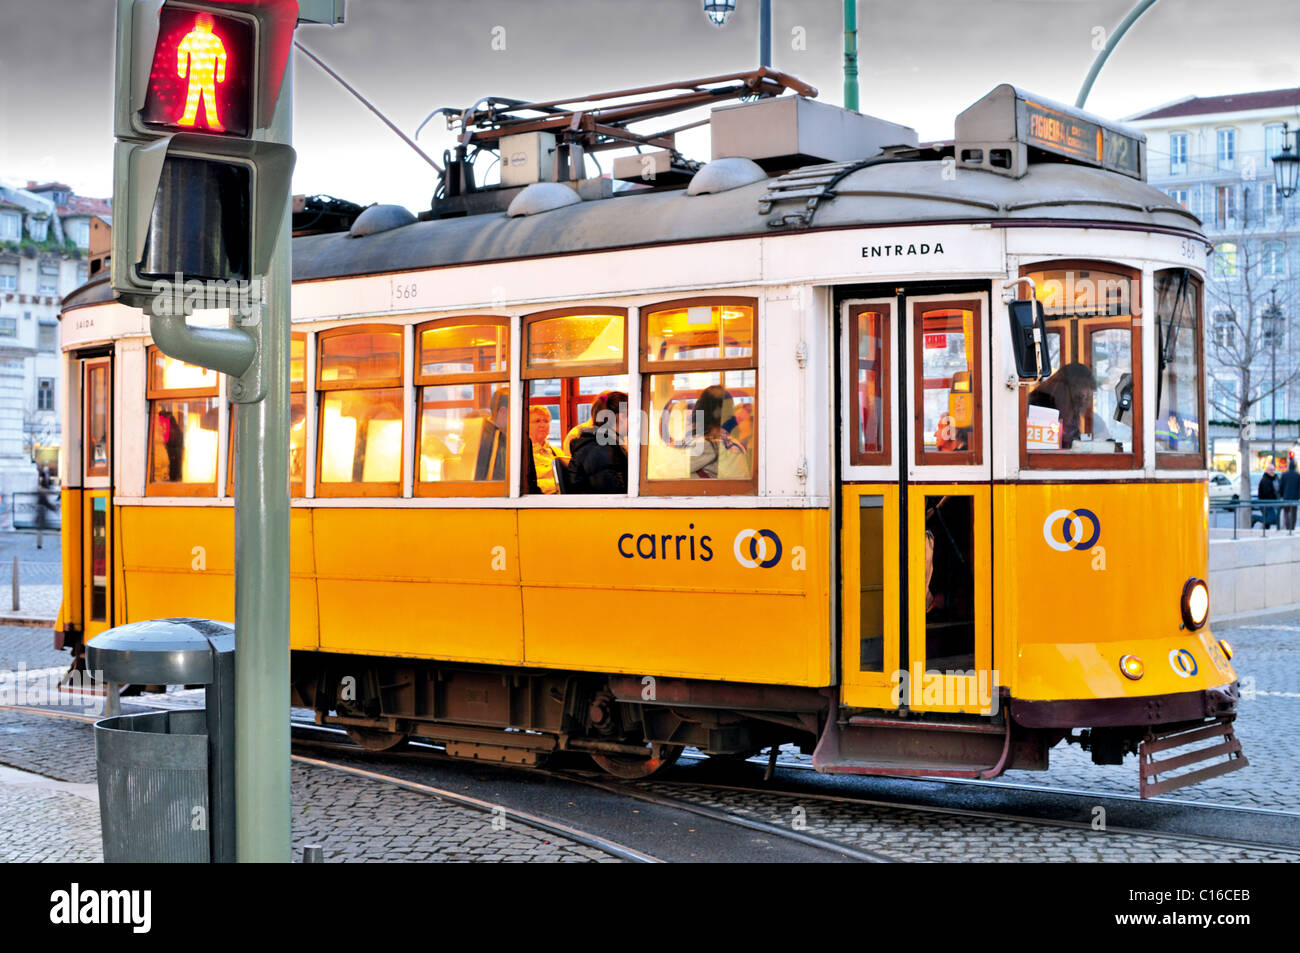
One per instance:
(1093,572)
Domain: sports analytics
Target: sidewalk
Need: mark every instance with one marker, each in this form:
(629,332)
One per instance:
(46,820)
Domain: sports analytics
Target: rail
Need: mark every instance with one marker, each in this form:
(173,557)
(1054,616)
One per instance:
(1269,514)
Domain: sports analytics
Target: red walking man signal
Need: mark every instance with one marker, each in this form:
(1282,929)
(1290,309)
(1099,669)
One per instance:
(203,56)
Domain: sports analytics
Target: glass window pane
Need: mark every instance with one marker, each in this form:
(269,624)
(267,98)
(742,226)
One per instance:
(871,568)
(167,373)
(183,441)
(465,349)
(700,333)
(362,356)
(948,380)
(97,421)
(870,379)
(464,433)
(1178,336)
(576,339)
(361,436)
(297,361)
(297,443)
(949,583)
(701,425)
(99,559)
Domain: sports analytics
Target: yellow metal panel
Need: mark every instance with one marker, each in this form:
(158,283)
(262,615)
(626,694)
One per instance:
(868,689)
(951,692)
(691,593)
(420,582)
(1072,608)
(70,536)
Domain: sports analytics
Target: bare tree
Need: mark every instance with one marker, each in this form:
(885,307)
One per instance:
(1242,331)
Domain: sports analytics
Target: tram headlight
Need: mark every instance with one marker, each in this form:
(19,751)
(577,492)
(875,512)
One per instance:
(1131,666)
(1227,648)
(1196,603)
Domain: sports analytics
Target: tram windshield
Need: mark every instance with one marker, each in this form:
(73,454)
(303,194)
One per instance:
(1178,340)
(1090,404)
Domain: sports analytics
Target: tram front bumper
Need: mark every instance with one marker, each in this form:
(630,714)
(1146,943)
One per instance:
(1149,710)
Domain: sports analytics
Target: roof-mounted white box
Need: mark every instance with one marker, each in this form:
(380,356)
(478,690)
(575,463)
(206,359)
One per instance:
(788,131)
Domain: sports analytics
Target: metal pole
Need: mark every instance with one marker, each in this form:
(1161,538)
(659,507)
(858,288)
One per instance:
(1272,359)
(765,34)
(262,567)
(1142,7)
(15,587)
(851,54)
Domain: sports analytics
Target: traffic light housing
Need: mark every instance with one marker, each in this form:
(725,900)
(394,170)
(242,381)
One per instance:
(201,171)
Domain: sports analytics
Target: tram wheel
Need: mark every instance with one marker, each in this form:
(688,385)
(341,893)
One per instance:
(374,739)
(631,767)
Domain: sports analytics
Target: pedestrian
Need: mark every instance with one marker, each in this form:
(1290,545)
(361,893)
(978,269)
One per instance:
(42,503)
(1268,491)
(1289,489)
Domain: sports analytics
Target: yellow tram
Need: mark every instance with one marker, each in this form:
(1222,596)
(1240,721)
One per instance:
(843,519)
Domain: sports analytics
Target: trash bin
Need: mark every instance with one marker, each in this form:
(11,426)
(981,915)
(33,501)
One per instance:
(166,778)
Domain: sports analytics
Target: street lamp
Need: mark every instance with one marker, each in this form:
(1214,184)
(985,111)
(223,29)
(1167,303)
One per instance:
(1274,314)
(1286,165)
(718,10)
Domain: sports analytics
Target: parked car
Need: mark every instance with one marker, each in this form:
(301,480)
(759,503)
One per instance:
(1223,489)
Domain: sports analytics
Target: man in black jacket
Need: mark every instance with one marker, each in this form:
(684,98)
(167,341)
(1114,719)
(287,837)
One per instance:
(1289,489)
(599,463)
(1268,491)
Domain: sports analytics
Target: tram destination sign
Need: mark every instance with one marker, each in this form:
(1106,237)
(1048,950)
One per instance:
(997,132)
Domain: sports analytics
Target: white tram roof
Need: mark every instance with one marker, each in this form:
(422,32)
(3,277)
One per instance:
(881,192)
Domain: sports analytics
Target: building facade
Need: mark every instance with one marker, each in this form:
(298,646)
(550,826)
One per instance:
(45,240)
(1214,155)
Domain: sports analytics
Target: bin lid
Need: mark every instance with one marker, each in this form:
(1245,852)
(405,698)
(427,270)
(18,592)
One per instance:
(160,651)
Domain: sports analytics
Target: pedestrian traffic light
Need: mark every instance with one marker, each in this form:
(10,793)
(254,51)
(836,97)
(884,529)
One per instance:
(201,169)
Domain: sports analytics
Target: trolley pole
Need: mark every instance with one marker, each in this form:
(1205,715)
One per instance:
(851,54)
(765,34)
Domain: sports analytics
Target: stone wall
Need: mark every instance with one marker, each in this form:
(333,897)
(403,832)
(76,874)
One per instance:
(1254,576)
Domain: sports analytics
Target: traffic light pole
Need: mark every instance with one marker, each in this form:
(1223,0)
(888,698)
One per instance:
(262,563)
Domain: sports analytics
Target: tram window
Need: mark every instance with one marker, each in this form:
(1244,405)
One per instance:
(183,410)
(360,422)
(701,392)
(1178,391)
(949,583)
(869,344)
(463,433)
(97,419)
(574,360)
(871,619)
(1092,403)
(948,380)
(297,422)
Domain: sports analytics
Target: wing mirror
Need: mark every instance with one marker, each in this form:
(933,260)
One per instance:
(1029,340)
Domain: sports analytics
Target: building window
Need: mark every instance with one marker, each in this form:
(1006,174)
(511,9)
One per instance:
(8,327)
(47,338)
(1089,412)
(38,228)
(82,274)
(1268,203)
(1227,148)
(359,377)
(1179,196)
(1272,141)
(1224,327)
(183,412)
(1177,153)
(1225,260)
(8,280)
(700,370)
(462,373)
(1178,390)
(575,365)
(79,232)
(11,224)
(1225,398)
(1225,205)
(1274,259)
(45,393)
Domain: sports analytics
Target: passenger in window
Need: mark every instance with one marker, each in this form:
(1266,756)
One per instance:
(597,405)
(713,454)
(544,455)
(172,439)
(743,431)
(496,442)
(1070,393)
(948,437)
(599,462)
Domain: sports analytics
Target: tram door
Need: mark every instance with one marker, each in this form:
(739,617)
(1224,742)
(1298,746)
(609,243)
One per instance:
(96,503)
(915,554)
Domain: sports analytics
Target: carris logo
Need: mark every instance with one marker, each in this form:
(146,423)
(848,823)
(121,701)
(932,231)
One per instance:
(1071,522)
(755,548)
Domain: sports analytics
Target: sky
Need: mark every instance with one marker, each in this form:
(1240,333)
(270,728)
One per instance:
(921,62)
